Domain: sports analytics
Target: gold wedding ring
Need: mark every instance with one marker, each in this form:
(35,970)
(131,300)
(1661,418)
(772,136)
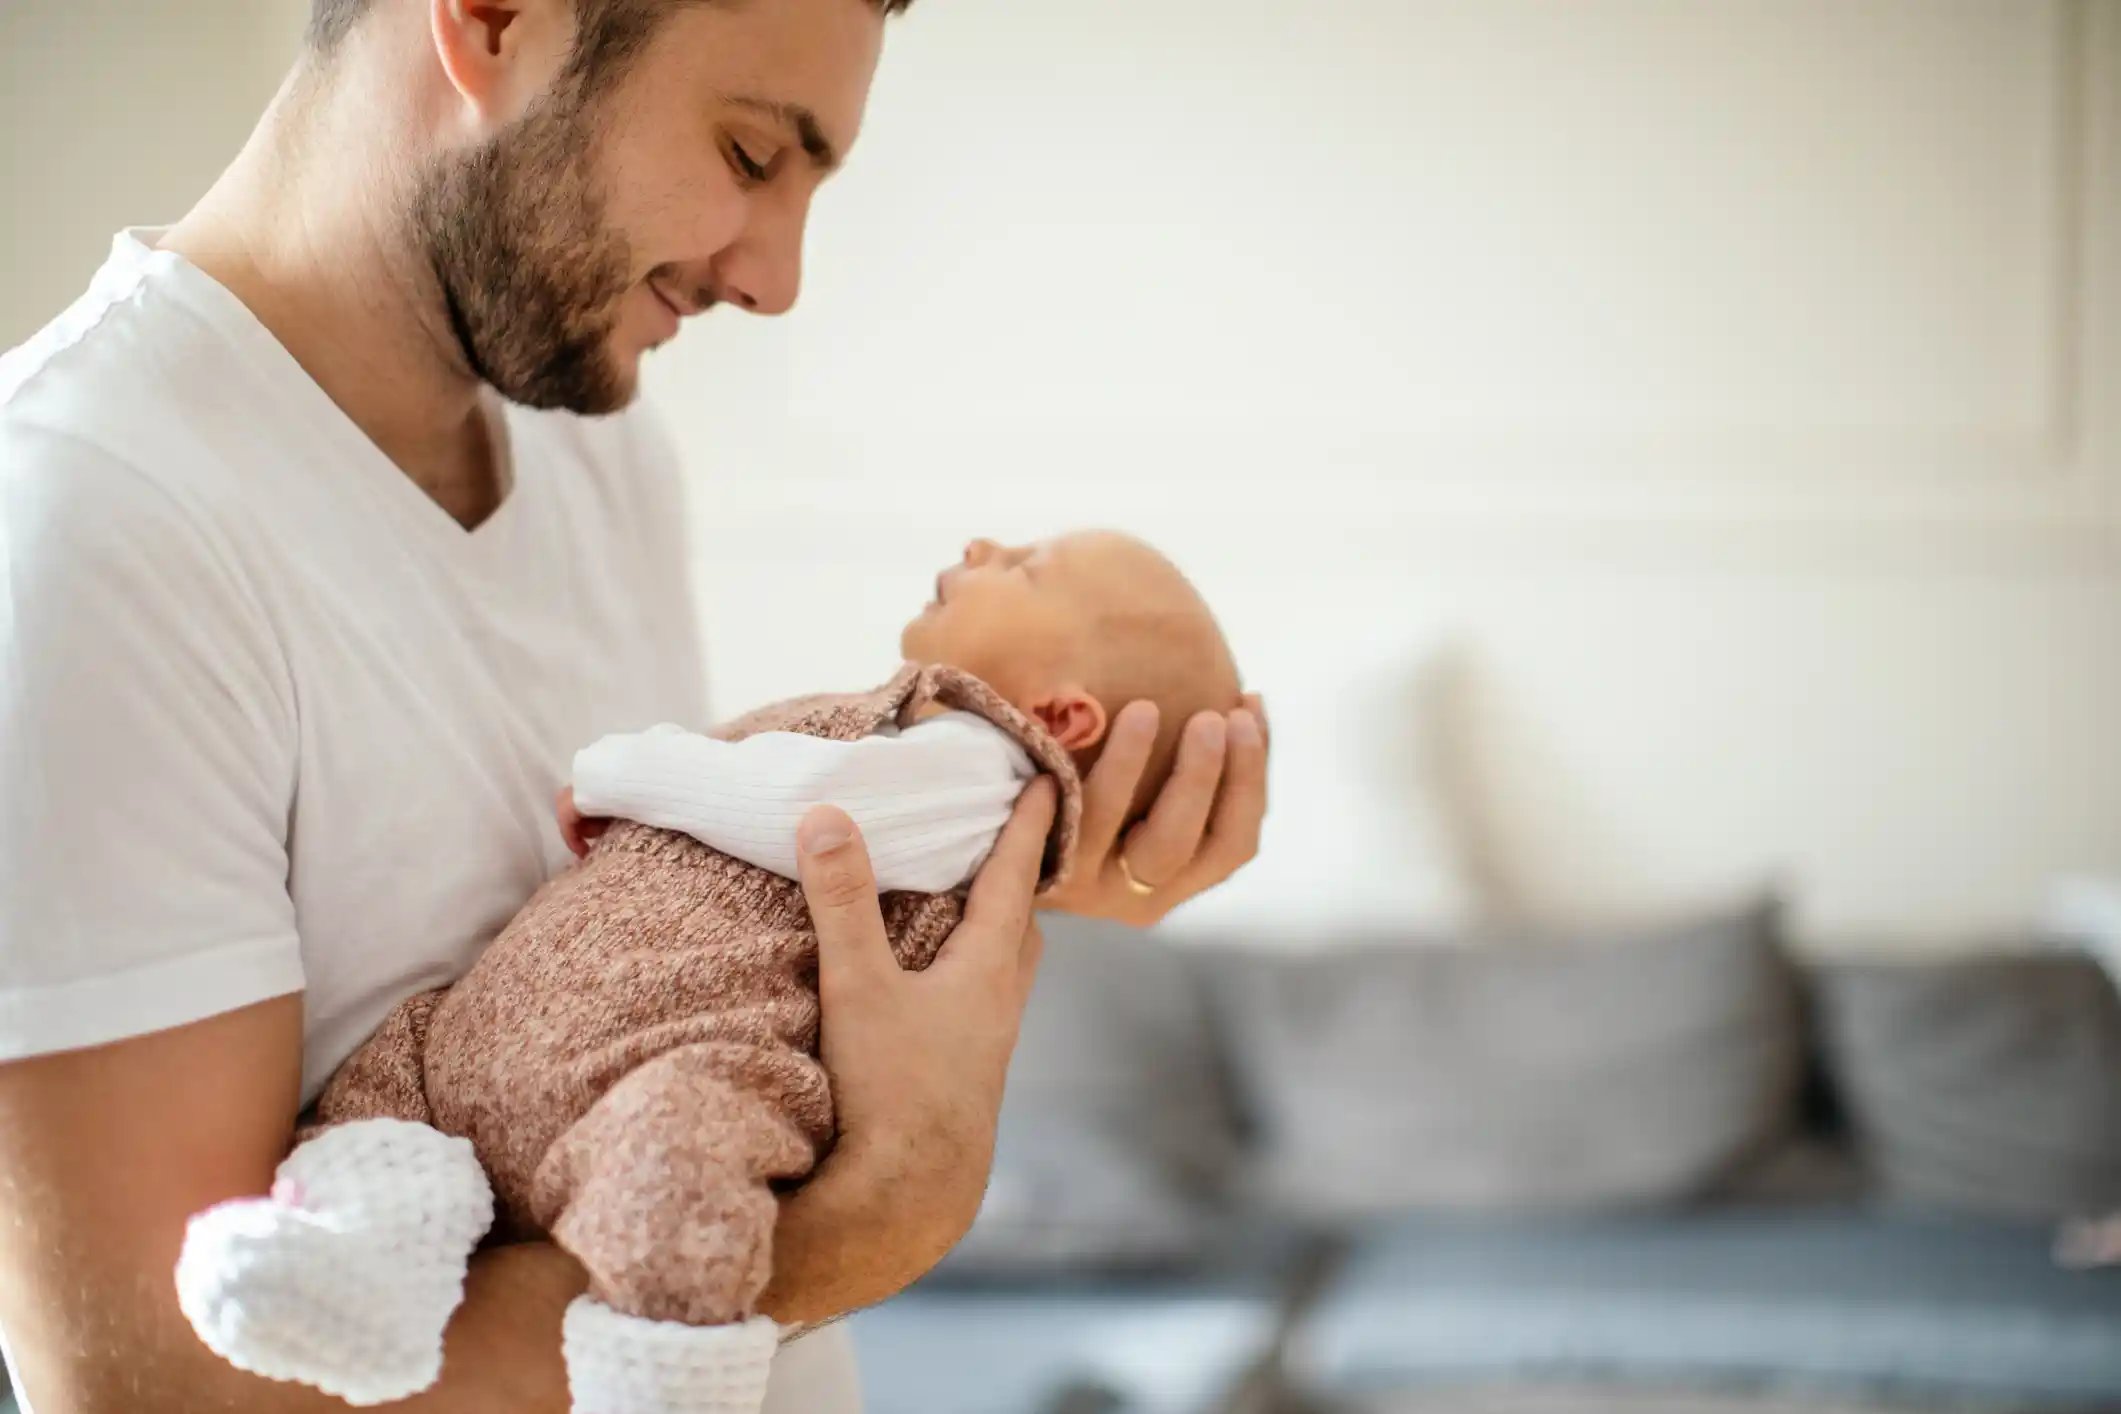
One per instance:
(1134,885)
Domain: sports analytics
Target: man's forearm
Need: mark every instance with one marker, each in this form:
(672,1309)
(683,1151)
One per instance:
(834,1253)
(836,1249)
(822,1267)
(502,1357)
(503,1351)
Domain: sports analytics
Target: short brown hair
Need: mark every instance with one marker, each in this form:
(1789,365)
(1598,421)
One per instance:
(609,34)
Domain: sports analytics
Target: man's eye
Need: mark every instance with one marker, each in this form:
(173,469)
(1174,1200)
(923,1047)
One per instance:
(745,167)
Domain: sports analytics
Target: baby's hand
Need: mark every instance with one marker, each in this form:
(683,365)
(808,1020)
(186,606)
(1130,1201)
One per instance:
(579,832)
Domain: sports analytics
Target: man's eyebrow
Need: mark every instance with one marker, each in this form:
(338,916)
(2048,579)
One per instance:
(804,123)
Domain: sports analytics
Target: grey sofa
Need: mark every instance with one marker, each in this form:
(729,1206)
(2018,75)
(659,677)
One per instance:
(1544,1174)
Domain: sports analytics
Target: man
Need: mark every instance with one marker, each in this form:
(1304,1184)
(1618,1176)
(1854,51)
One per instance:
(317,574)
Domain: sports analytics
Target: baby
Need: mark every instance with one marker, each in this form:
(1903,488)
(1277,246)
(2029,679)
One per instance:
(630,1068)
(1067,631)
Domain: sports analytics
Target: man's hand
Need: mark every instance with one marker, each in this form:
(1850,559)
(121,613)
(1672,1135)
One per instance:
(917,1061)
(1202,828)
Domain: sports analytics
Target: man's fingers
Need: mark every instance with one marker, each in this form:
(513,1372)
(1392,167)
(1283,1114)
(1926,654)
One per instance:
(1115,778)
(998,911)
(1241,807)
(840,887)
(1159,849)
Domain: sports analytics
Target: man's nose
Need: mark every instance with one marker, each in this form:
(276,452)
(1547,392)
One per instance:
(763,271)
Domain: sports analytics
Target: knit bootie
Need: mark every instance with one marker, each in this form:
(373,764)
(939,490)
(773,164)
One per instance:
(345,1277)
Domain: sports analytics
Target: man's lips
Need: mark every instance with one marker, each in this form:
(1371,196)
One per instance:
(676,303)
(668,303)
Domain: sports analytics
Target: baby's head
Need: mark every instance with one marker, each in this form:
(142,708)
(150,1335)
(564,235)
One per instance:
(1072,629)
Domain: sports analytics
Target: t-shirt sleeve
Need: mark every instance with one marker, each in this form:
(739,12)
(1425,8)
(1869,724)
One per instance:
(147,761)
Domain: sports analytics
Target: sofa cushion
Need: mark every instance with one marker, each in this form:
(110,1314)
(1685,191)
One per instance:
(1986,1085)
(1525,1074)
(1931,1311)
(1116,1129)
(1148,1345)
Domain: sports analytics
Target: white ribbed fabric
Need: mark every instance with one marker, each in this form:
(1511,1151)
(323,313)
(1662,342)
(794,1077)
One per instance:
(930,800)
(618,1364)
(345,1278)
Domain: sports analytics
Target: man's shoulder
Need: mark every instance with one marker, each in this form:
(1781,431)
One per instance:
(104,471)
(69,491)
(87,537)
(107,398)
(124,334)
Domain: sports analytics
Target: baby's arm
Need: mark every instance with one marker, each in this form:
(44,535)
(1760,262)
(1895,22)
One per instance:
(929,800)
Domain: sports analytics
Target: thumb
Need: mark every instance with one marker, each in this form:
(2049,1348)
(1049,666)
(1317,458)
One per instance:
(840,886)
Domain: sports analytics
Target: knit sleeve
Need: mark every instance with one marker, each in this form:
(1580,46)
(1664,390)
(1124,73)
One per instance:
(929,800)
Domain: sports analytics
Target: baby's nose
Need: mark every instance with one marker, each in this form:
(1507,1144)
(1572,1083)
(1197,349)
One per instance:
(981,551)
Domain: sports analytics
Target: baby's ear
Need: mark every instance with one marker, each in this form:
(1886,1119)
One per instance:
(1072,717)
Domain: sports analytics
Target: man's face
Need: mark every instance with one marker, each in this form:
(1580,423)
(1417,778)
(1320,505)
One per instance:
(577,239)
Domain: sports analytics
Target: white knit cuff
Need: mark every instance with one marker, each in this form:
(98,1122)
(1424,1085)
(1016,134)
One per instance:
(618,1364)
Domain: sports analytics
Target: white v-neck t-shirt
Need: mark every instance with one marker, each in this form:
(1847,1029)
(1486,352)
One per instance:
(273,721)
(270,720)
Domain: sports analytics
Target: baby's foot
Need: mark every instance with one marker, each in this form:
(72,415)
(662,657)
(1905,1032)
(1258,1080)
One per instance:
(344,1278)
(618,1364)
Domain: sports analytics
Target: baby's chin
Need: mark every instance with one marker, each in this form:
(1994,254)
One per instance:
(913,640)
(921,642)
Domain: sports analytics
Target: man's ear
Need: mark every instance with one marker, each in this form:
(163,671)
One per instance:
(1072,717)
(499,55)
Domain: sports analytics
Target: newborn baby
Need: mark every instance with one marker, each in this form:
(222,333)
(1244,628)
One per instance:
(1067,631)
(630,1068)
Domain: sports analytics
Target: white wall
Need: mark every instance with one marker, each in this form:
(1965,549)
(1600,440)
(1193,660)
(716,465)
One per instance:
(113,114)
(1686,439)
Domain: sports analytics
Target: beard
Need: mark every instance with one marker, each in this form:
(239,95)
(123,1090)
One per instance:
(531,275)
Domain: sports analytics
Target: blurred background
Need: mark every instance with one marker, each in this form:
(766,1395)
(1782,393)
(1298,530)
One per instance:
(1641,449)
(1655,457)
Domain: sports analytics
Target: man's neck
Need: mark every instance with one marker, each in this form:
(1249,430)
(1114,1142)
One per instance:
(314,245)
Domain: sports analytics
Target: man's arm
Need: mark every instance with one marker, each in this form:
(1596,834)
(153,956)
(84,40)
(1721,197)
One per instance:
(917,1061)
(105,1153)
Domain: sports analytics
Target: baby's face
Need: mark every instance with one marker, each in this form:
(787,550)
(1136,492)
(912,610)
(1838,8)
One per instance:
(1020,617)
(1072,629)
